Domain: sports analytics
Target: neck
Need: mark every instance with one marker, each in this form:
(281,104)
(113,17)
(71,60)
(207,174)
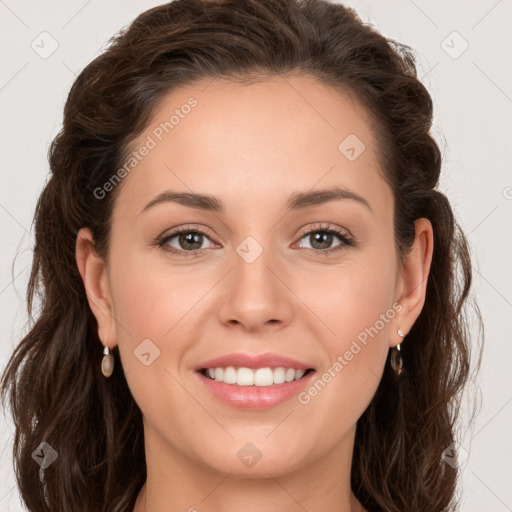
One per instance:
(142,505)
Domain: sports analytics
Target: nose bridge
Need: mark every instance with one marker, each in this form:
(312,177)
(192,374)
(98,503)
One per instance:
(253,281)
(254,295)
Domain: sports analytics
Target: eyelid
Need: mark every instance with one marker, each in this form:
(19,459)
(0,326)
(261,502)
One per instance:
(325,226)
(188,228)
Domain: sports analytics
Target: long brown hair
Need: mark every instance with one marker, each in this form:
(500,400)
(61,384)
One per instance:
(57,393)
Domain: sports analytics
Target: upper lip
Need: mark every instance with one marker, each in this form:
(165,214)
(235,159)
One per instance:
(253,361)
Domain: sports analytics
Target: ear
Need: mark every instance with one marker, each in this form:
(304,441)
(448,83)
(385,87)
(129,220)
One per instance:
(95,278)
(413,279)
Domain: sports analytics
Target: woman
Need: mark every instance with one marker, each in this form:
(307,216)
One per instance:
(252,290)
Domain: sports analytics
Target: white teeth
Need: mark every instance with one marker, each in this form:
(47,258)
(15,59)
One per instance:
(279,375)
(248,377)
(230,375)
(245,377)
(299,374)
(263,377)
(290,375)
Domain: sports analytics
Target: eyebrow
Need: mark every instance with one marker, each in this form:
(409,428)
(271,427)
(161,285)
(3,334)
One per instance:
(297,201)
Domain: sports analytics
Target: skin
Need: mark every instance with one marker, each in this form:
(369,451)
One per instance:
(251,146)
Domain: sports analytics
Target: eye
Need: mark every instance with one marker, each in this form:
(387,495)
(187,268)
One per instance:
(188,241)
(321,239)
(185,241)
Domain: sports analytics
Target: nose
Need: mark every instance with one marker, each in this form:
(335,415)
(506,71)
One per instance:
(255,296)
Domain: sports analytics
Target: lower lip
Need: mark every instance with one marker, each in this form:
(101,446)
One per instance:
(255,397)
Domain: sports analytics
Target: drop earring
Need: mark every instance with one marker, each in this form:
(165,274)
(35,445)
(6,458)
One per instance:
(107,363)
(396,358)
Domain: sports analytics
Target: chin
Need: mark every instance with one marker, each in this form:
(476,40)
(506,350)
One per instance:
(250,459)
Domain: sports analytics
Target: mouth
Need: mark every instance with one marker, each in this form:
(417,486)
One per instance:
(256,377)
(254,381)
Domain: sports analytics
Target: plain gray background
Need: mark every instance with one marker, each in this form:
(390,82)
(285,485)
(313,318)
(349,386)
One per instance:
(472,92)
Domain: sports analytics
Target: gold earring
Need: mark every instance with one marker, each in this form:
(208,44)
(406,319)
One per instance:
(107,363)
(396,358)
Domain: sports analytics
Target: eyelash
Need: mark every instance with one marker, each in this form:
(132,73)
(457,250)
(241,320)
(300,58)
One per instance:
(344,238)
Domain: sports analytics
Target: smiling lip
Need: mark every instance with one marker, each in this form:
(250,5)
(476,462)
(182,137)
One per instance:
(253,361)
(254,397)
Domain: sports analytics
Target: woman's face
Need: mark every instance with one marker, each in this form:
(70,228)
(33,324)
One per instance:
(258,270)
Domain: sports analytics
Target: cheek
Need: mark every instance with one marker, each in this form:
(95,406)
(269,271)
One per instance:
(351,297)
(355,304)
(156,312)
(150,297)
(146,307)
(148,312)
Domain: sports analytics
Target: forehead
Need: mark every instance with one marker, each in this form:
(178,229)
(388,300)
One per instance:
(257,140)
